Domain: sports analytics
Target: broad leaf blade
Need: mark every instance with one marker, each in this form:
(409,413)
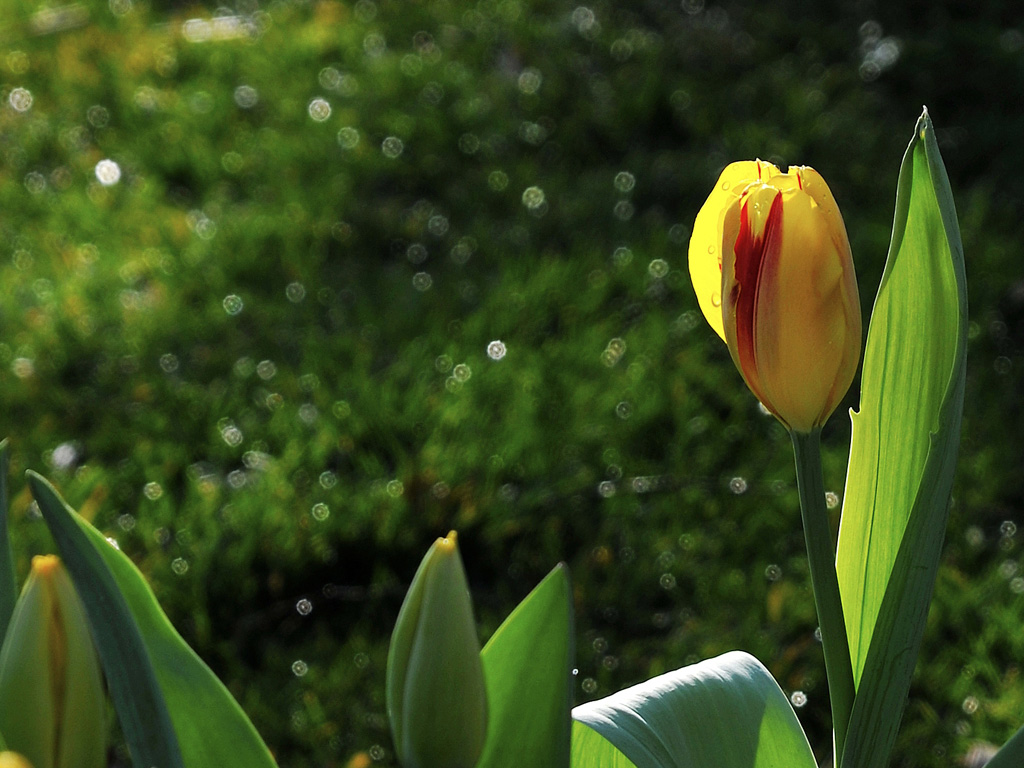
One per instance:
(212,730)
(527,670)
(592,750)
(726,712)
(904,448)
(1012,753)
(130,676)
(8,580)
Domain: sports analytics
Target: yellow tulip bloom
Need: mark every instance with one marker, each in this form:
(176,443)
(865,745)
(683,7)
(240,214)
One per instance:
(52,707)
(773,273)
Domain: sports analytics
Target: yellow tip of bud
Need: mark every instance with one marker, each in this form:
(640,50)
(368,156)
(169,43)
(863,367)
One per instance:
(44,565)
(449,543)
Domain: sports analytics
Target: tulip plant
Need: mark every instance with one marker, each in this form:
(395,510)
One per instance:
(773,273)
(772,269)
(88,615)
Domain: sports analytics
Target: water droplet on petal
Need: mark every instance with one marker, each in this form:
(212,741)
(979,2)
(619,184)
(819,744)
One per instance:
(716,299)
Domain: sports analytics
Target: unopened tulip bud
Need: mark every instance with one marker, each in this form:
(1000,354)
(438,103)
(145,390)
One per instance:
(436,698)
(771,265)
(52,708)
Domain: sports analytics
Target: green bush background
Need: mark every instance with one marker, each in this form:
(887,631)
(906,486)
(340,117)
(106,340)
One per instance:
(259,360)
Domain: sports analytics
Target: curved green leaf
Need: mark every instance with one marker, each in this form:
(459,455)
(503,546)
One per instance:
(211,729)
(904,448)
(130,675)
(726,712)
(1012,753)
(528,673)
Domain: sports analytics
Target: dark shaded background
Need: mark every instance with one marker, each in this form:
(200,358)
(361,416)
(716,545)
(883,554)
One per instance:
(259,360)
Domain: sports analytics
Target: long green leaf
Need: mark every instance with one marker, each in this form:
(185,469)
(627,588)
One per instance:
(904,448)
(211,728)
(130,676)
(527,670)
(8,579)
(726,712)
(1012,753)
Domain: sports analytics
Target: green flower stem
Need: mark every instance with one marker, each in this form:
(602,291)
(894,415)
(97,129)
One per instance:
(821,553)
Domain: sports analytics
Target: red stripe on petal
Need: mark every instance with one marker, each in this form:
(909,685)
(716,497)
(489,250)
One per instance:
(756,255)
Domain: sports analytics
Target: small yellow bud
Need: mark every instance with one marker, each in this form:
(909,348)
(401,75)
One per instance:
(13,760)
(52,708)
(436,698)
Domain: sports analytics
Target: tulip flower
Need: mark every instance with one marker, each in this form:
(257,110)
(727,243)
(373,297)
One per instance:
(436,698)
(771,265)
(52,707)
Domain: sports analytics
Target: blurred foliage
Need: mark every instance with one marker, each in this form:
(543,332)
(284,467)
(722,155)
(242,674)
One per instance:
(259,356)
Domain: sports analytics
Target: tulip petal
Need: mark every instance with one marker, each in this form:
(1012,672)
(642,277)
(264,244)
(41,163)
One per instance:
(750,262)
(802,326)
(706,244)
